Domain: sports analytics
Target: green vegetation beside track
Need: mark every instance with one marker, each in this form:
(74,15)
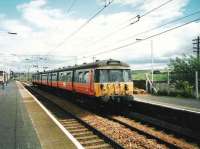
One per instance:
(141,75)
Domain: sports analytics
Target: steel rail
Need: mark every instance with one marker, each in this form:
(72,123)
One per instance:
(108,140)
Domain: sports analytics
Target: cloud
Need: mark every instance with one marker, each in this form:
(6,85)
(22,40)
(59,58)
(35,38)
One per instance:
(42,28)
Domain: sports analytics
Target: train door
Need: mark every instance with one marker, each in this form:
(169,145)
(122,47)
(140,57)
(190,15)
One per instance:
(86,81)
(91,82)
(54,79)
(50,79)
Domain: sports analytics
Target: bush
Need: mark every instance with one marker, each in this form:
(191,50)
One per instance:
(179,89)
(186,87)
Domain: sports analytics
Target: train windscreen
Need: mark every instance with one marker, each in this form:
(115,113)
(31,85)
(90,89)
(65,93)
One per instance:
(113,75)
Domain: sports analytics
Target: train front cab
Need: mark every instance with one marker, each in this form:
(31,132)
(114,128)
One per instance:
(113,85)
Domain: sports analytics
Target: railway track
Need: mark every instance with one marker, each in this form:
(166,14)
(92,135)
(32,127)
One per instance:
(83,134)
(120,129)
(88,136)
(149,131)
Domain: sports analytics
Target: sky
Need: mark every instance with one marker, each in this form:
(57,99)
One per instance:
(54,34)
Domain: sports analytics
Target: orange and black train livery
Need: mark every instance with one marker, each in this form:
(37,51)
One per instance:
(105,80)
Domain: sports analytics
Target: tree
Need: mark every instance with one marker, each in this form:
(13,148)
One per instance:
(183,73)
(185,64)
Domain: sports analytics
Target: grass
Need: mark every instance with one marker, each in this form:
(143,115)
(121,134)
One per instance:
(141,75)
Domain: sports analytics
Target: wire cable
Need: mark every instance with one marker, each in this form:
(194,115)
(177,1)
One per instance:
(150,11)
(154,28)
(138,17)
(71,6)
(152,36)
(82,26)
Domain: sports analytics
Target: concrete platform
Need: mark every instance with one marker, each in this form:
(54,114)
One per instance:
(16,129)
(192,105)
(25,125)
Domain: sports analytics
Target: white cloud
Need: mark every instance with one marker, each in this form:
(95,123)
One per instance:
(41,28)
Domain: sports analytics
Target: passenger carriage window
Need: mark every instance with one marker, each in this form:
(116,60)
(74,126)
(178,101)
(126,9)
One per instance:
(76,76)
(80,77)
(44,77)
(49,77)
(69,77)
(61,76)
(54,76)
(86,77)
(38,77)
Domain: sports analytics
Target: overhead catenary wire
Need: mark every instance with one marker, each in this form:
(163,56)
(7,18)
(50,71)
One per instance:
(71,6)
(132,43)
(150,11)
(160,26)
(154,28)
(82,26)
(137,17)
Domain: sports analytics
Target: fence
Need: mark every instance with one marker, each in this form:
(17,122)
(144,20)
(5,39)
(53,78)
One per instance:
(179,84)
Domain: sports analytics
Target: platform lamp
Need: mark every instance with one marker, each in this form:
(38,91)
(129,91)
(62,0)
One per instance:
(27,59)
(12,33)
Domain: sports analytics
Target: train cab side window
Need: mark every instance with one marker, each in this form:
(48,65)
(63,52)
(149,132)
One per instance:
(127,75)
(103,76)
(86,77)
(96,75)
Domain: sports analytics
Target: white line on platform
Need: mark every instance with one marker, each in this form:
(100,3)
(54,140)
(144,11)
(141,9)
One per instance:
(166,105)
(67,133)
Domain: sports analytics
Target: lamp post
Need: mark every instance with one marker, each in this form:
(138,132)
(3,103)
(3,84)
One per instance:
(152,62)
(27,59)
(152,58)
(10,33)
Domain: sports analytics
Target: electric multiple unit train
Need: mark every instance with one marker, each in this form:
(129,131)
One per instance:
(105,80)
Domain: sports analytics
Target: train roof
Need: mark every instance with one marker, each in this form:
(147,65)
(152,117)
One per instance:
(96,64)
(101,63)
